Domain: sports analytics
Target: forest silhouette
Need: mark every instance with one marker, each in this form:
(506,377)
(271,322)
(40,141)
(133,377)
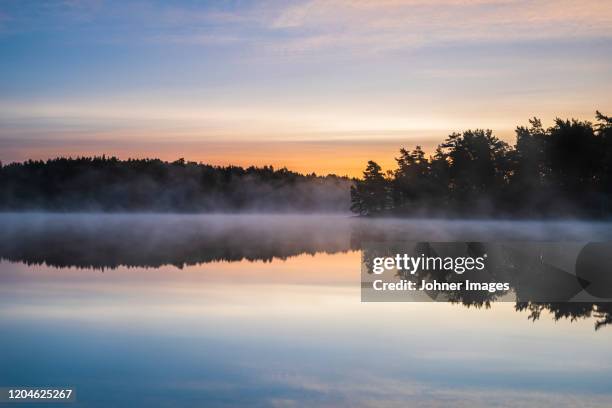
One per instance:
(562,170)
(109,184)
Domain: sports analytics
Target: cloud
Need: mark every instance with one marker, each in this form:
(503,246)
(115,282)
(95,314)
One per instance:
(368,26)
(329,26)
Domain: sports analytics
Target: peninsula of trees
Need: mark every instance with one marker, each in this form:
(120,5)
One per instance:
(559,171)
(562,170)
(109,184)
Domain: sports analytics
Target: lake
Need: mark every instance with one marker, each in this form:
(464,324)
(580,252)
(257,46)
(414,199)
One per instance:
(265,310)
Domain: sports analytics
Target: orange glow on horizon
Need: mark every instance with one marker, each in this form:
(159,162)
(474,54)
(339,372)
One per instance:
(343,158)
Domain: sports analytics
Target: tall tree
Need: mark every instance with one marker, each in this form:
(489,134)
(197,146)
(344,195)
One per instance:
(370,195)
(478,166)
(411,179)
(574,153)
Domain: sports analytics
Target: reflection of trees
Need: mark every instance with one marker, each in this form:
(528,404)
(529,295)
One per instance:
(573,311)
(538,286)
(103,241)
(100,241)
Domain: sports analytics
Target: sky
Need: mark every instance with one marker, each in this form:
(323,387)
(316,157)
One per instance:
(313,85)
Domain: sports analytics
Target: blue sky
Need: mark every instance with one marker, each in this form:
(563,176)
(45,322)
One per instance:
(253,82)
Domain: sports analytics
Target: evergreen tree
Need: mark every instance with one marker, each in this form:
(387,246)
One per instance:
(564,169)
(370,195)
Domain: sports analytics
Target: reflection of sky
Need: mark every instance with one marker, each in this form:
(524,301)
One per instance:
(181,79)
(261,334)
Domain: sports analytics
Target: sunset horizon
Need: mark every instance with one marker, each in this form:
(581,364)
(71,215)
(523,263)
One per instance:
(341,157)
(312,86)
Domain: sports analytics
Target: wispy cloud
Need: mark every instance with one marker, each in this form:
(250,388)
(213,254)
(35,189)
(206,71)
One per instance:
(375,26)
(338,26)
(307,70)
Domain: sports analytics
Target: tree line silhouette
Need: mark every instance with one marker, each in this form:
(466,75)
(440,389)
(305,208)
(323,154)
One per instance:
(109,184)
(565,169)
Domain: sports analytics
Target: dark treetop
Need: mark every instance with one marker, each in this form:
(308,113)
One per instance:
(563,170)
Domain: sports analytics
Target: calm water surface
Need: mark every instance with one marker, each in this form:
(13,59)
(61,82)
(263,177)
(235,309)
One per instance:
(172,311)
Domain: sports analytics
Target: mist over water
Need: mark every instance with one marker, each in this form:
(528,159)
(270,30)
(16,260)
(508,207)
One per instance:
(107,184)
(111,240)
(104,240)
(265,310)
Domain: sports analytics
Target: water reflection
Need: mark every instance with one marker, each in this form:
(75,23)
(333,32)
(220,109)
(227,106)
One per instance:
(101,241)
(138,311)
(109,241)
(540,276)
